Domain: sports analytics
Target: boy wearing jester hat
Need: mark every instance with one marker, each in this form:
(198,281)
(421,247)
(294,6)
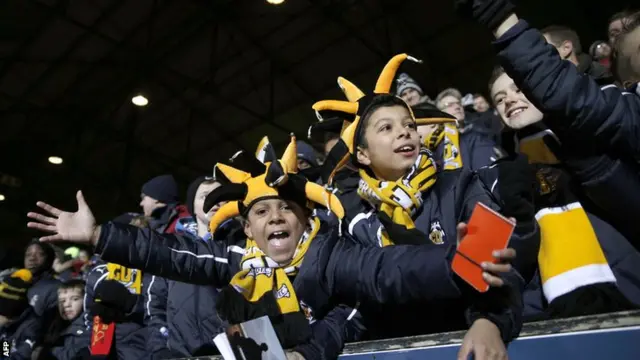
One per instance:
(295,268)
(409,199)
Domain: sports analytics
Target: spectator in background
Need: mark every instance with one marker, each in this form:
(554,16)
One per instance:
(159,200)
(480,103)
(600,51)
(567,42)
(43,293)
(308,162)
(409,90)
(476,141)
(67,338)
(626,55)
(20,327)
(616,24)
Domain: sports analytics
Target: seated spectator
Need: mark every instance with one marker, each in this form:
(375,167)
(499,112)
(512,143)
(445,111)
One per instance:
(160,202)
(75,263)
(477,145)
(20,326)
(567,42)
(308,162)
(409,90)
(67,337)
(586,284)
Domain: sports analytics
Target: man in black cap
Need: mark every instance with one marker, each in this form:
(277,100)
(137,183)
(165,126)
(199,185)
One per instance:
(159,200)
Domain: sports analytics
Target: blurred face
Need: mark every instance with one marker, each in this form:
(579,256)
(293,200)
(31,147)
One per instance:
(149,204)
(480,104)
(615,28)
(392,143)
(329,145)
(452,106)
(34,258)
(603,51)
(276,226)
(514,108)
(411,96)
(83,255)
(198,203)
(629,52)
(70,303)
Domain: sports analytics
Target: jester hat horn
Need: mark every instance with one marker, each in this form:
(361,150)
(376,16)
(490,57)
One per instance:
(356,106)
(278,180)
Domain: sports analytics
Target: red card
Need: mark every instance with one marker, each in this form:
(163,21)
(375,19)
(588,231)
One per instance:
(101,337)
(487,231)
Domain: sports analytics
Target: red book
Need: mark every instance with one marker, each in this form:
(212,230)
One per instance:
(101,337)
(487,231)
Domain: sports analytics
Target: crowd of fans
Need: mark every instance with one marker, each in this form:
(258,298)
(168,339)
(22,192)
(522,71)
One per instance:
(355,242)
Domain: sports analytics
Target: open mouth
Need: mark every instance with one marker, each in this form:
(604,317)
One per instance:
(277,237)
(405,150)
(515,111)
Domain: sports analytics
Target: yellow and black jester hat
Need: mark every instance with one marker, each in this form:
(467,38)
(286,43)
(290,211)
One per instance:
(279,179)
(357,105)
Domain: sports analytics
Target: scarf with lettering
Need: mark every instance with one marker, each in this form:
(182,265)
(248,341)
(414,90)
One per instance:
(449,136)
(400,200)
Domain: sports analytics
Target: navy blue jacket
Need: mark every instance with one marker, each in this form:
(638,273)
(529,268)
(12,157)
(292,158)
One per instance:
(605,119)
(73,342)
(43,294)
(130,336)
(334,271)
(450,201)
(608,116)
(23,335)
(181,318)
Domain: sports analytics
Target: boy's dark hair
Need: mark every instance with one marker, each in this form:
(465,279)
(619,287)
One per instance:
(495,74)
(621,65)
(72,284)
(560,34)
(379,101)
(478,95)
(620,15)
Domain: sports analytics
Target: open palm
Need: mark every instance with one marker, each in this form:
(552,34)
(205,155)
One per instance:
(78,227)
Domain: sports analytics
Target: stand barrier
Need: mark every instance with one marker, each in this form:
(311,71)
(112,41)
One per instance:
(614,336)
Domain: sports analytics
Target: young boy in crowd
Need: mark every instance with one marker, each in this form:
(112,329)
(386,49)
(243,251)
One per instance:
(67,338)
(572,282)
(273,279)
(599,119)
(409,201)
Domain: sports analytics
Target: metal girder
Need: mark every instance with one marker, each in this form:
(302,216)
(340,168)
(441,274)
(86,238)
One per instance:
(4,68)
(113,6)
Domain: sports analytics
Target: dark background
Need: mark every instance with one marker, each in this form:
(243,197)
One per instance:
(218,74)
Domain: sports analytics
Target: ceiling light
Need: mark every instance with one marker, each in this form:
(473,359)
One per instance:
(55,160)
(2,197)
(139,100)
(275,2)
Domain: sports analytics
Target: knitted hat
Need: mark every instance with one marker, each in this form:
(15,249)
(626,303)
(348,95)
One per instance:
(13,293)
(307,153)
(279,178)
(406,82)
(163,188)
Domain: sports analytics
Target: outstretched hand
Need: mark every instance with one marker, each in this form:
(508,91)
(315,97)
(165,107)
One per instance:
(79,227)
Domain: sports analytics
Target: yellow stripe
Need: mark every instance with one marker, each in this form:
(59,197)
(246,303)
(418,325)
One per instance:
(568,241)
